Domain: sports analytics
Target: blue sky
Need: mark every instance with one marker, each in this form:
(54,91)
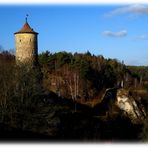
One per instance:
(114,31)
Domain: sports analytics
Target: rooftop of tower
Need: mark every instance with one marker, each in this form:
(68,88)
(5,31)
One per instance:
(26,29)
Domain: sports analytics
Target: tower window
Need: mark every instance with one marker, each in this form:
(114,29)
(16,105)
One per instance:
(30,40)
(20,40)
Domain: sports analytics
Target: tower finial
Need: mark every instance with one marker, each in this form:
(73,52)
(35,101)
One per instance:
(26,17)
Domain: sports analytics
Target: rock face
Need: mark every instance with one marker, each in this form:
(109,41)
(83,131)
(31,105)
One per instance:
(126,102)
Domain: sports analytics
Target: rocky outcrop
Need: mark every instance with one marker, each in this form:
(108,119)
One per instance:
(126,102)
(115,100)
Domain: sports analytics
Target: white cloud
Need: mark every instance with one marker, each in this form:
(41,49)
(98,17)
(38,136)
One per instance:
(121,33)
(142,37)
(135,9)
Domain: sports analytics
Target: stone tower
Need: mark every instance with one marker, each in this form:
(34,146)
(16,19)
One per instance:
(26,45)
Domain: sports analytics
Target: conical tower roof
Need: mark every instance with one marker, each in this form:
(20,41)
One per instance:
(26,29)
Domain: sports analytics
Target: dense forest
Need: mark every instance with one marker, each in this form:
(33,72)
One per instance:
(85,77)
(57,99)
(78,73)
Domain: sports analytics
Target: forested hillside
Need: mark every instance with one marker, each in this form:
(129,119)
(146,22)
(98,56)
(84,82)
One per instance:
(84,77)
(60,99)
(142,73)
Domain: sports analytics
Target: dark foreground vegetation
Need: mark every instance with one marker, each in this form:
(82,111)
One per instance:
(58,100)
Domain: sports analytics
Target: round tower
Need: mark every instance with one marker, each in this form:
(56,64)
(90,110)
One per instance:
(26,42)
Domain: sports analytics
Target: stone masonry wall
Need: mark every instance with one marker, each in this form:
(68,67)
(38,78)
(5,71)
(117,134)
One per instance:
(26,47)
